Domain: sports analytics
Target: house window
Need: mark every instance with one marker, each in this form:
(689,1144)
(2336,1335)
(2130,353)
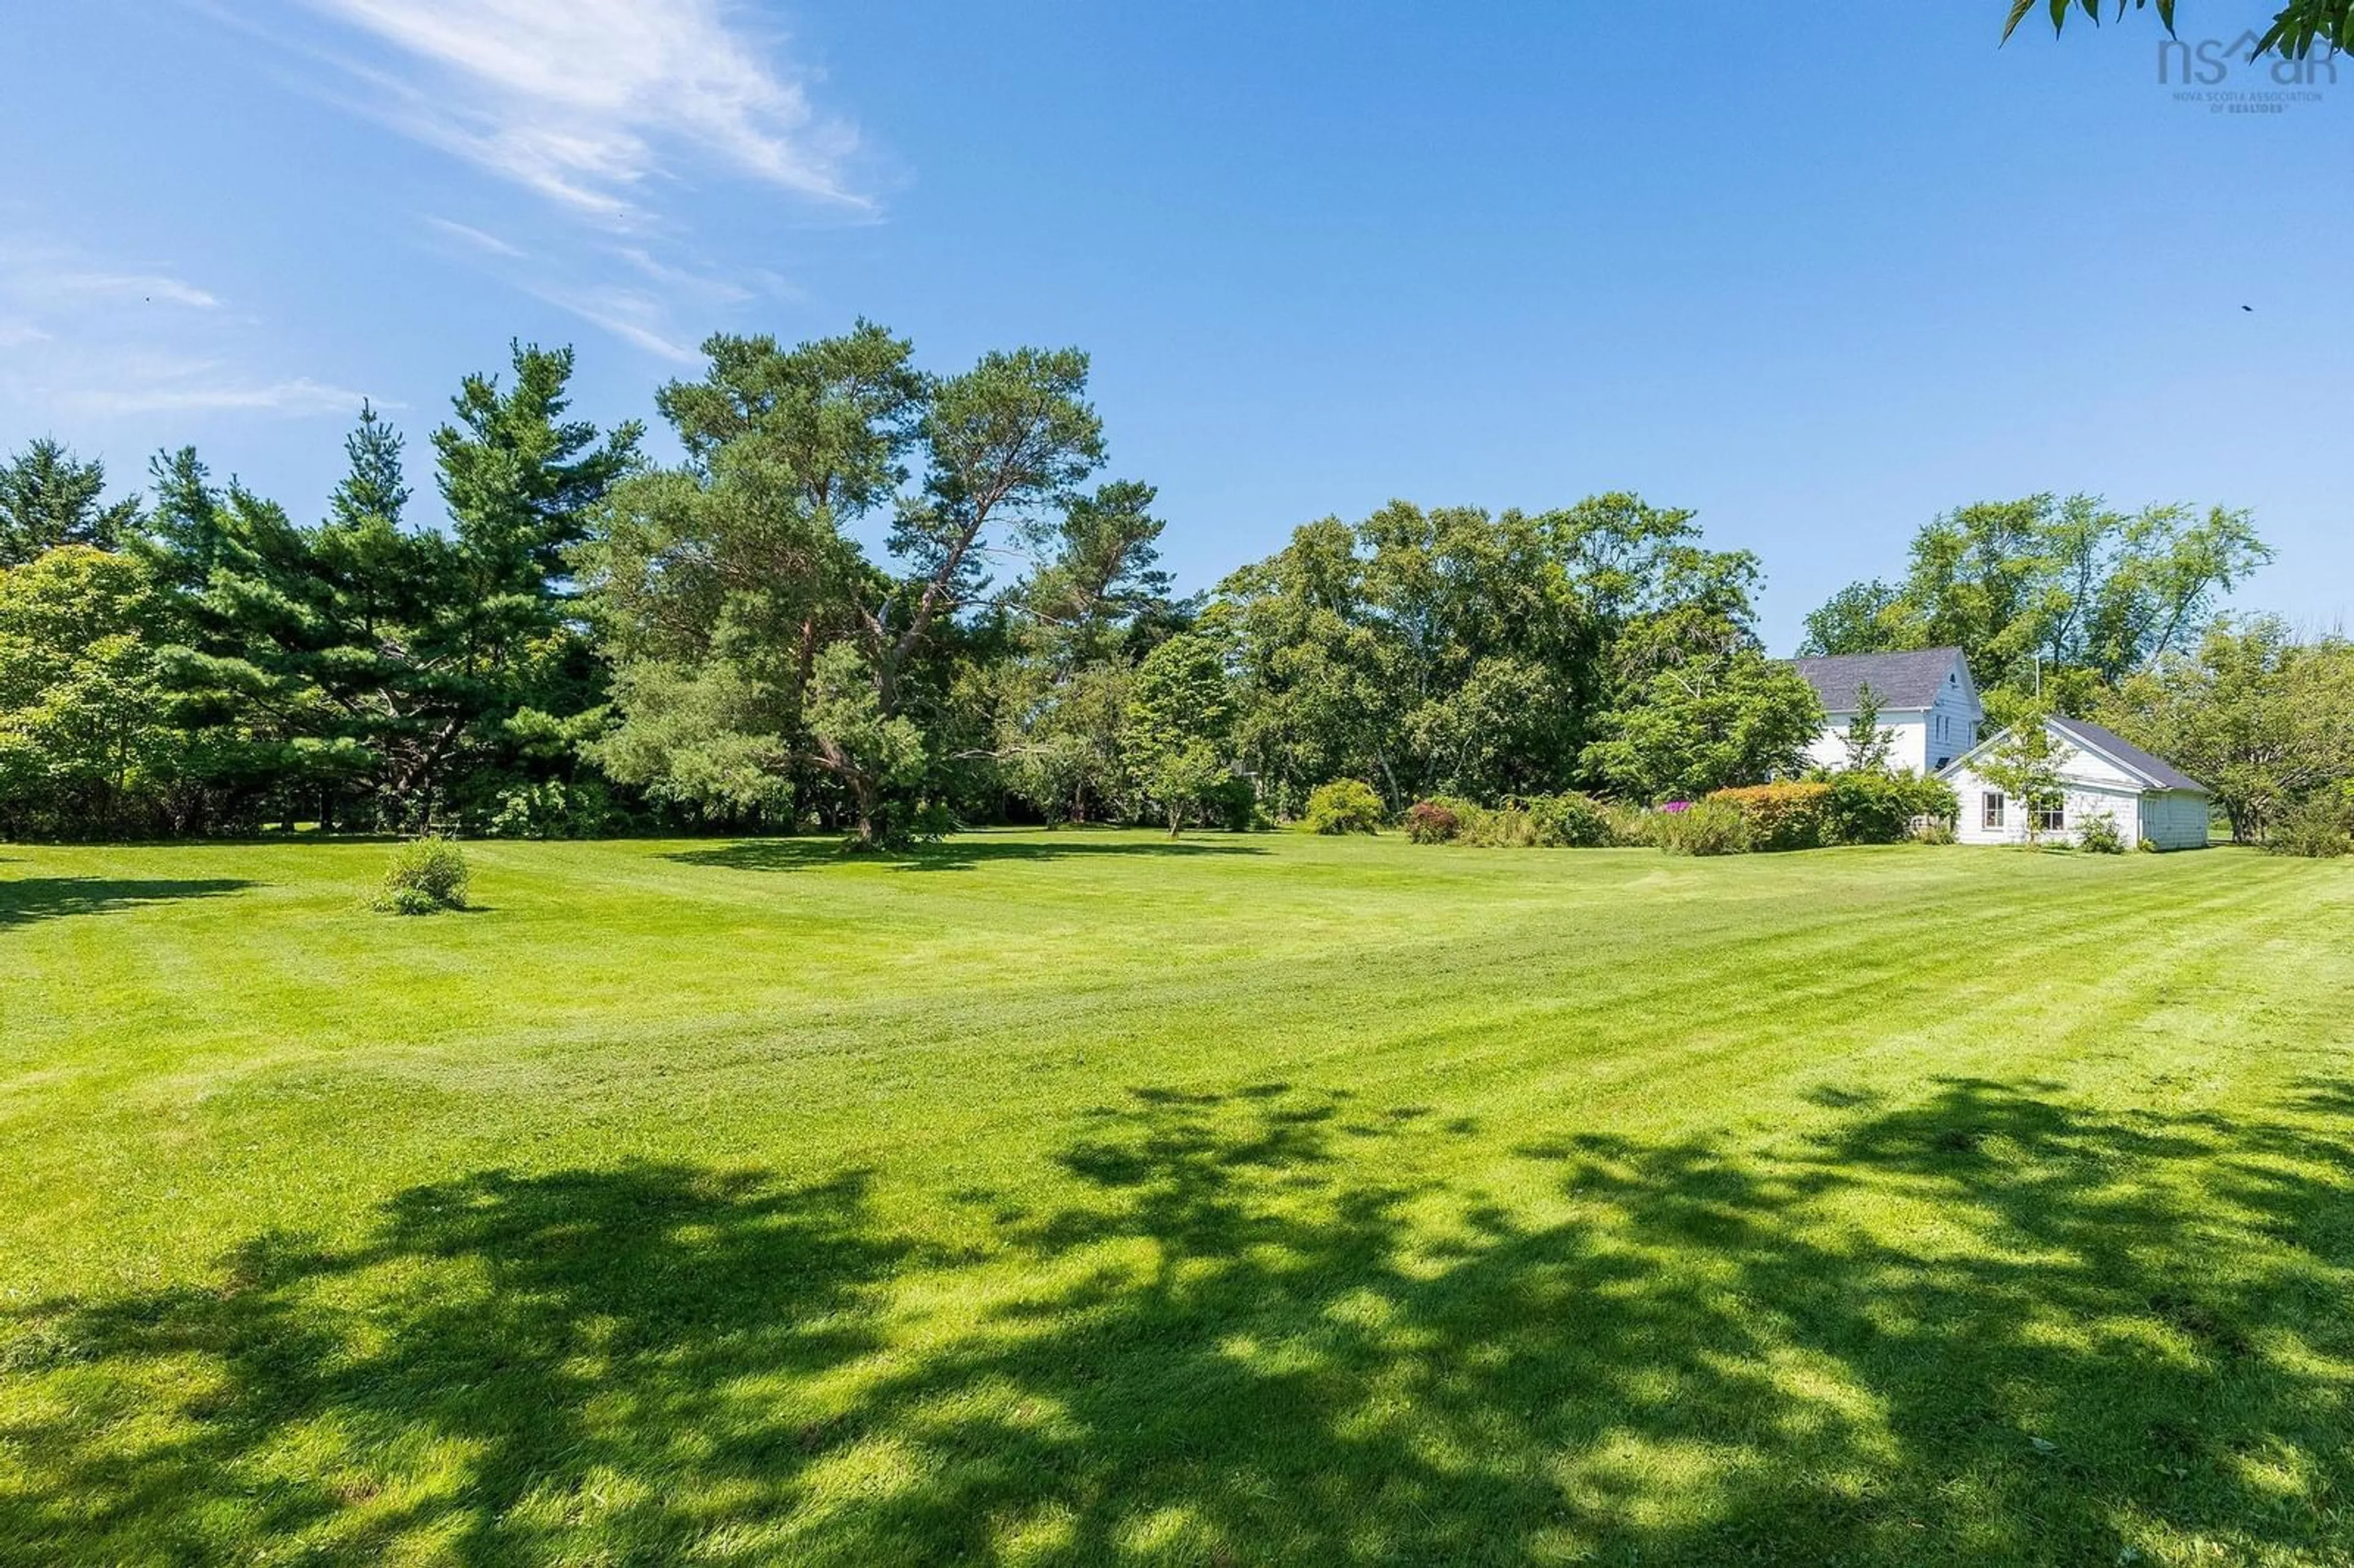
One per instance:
(1990,813)
(2050,819)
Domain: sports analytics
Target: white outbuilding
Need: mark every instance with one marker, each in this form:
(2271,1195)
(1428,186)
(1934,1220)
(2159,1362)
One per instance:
(2101,775)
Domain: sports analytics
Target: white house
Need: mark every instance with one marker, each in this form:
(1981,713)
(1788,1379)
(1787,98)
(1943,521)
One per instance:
(1927,701)
(2148,798)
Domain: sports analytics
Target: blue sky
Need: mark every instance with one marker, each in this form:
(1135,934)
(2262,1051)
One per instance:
(1815,276)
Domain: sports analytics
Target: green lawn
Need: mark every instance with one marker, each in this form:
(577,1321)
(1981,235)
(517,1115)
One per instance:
(1087,1199)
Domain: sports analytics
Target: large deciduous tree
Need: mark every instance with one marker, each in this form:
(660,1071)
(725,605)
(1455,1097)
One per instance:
(1453,650)
(1180,712)
(1709,722)
(2262,717)
(86,744)
(2063,595)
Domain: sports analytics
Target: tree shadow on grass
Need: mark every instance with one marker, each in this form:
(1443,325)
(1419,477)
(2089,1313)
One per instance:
(500,1346)
(949,855)
(1986,1326)
(25,899)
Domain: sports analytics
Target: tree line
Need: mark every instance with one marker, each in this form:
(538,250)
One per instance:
(881,599)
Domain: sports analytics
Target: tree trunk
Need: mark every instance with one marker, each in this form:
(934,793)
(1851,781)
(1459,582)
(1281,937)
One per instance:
(868,798)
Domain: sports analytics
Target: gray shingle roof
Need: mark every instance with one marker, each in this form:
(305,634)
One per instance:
(2155,769)
(1898,680)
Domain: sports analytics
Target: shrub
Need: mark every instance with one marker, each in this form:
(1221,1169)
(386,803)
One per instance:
(1506,827)
(1702,827)
(1781,816)
(1570,820)
(1430,822)
(425,874)
(2099,835)
(1233,804)
(408,900)
(1631,827)
(932,822)
(1566,820)
(551,809)
(2319,829)
(1343,806)
(1873,807)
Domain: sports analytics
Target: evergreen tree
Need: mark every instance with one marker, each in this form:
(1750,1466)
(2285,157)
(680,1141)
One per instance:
(47,498)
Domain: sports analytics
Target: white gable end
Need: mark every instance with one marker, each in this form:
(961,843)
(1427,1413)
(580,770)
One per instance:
(1929,705)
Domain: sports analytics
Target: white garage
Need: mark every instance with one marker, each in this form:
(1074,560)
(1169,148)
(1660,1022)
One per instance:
(2101,774)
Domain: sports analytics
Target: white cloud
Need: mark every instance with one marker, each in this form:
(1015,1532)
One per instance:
(621,114)
(687,280)
(92,340)
(145,287)
(481,240)
(631,315)
(587,101)
(213,393)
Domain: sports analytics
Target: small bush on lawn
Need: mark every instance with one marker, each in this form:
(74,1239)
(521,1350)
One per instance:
(1867,807)
(1703,827)
(1343,806)
(2099,835)
(2318,829)
(1430,823)
(426,874)
(1782,816)
(1570,820)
